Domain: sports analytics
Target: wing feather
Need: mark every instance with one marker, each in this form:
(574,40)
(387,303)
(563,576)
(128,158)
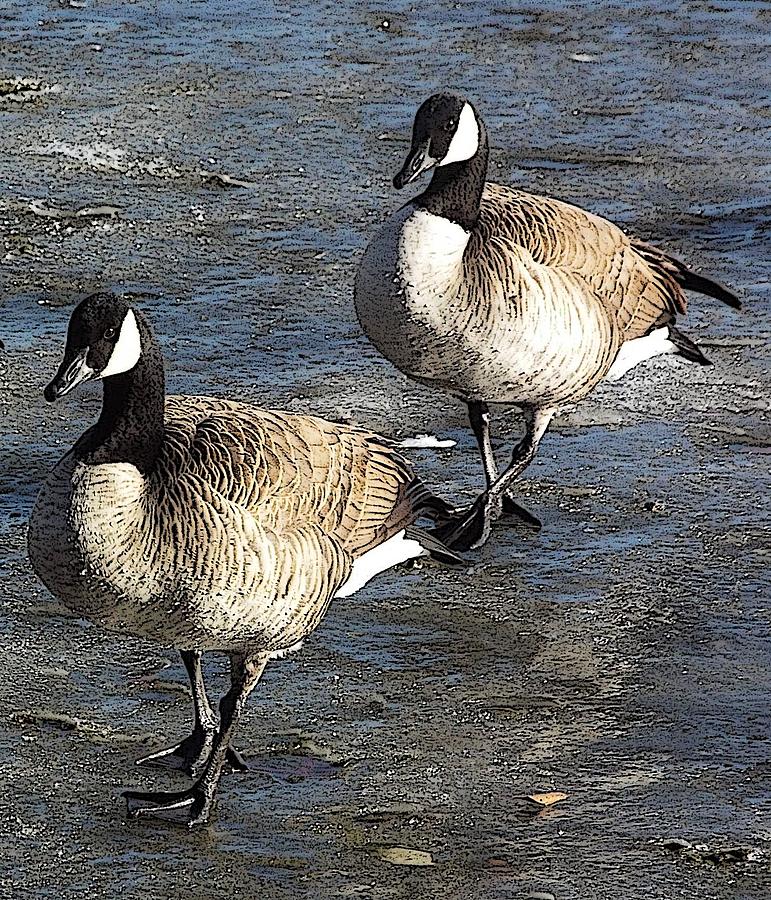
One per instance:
(631,281)
(292,472)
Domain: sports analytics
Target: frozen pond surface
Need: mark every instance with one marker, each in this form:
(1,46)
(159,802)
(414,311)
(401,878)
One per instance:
(623,655)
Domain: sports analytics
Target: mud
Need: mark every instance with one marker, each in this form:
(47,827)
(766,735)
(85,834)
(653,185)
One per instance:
(621,656)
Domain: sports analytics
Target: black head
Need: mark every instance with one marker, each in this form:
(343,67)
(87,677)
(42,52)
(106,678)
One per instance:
(446,130)
(103,339)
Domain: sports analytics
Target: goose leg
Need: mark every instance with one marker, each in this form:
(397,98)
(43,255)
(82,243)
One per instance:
(479,417)
(473,529)
(190,755)
(194,806)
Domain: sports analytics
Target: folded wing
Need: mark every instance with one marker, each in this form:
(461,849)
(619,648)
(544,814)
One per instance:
(638,286)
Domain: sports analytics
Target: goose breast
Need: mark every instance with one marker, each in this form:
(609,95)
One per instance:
(483,320)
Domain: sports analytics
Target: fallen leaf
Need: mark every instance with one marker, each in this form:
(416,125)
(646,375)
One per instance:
(547,799)
(404,856)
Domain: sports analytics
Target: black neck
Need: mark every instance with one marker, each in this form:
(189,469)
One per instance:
(130,428)
(455,191)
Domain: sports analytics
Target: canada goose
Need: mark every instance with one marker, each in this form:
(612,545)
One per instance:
(206,524)
(499,296)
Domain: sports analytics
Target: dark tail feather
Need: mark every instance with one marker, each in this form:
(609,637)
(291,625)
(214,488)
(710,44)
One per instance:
(703,285)
(687,348)
(436,549)
(434,507)
(684,276)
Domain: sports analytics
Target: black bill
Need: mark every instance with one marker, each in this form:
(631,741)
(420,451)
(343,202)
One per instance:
(72,372)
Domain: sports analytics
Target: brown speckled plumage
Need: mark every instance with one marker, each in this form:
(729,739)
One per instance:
(206,524)
(239,537)
(632,281)
(531,308)
(503,296)
(200,522)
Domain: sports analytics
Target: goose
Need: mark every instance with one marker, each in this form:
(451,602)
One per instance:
(210,525)
(504,297)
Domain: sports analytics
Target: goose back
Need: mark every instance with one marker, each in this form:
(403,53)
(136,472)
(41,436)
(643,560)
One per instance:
(633,281)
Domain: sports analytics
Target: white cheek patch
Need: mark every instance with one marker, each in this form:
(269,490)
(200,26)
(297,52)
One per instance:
(127,350)
(465,141)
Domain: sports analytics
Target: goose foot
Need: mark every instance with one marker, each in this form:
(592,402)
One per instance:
(190,808)
(513,509)
(191,754)
(470,529)
(235,759)
(470,526)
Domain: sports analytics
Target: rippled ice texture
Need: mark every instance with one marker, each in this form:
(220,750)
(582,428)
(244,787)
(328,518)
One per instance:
(621,655)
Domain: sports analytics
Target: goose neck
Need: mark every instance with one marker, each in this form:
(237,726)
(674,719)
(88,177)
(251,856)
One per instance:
(130,428)
(455,191)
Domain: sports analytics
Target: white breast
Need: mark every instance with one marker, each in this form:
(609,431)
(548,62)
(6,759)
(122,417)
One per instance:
(429,251)
(407,275)
(413,258)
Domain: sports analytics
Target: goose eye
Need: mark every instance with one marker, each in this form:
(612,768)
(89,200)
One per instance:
(109,334)
(451,124)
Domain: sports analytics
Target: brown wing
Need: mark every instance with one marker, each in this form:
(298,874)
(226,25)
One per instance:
(291,471)
(631,280)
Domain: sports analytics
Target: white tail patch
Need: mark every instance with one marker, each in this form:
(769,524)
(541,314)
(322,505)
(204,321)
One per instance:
(280,654)
(465,141)
(638,350)
(127,350)
(395,550)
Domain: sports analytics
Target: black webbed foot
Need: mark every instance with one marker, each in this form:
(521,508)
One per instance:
(470,528)
(235,760)
(190,808)
(191,754)
(512,509)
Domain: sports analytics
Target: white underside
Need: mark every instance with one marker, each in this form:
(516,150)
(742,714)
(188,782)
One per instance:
(395,550)
(633,352)
(280,654)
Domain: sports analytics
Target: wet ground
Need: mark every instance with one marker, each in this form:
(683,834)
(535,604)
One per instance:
(621,656)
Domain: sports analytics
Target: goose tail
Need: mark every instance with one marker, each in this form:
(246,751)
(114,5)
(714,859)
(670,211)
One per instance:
(687,348)
(434,507)
(434,548)
(688,279)
(701,284)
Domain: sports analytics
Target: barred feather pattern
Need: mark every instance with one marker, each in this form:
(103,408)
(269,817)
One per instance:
(636,281)
(238,538)
(529,309)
